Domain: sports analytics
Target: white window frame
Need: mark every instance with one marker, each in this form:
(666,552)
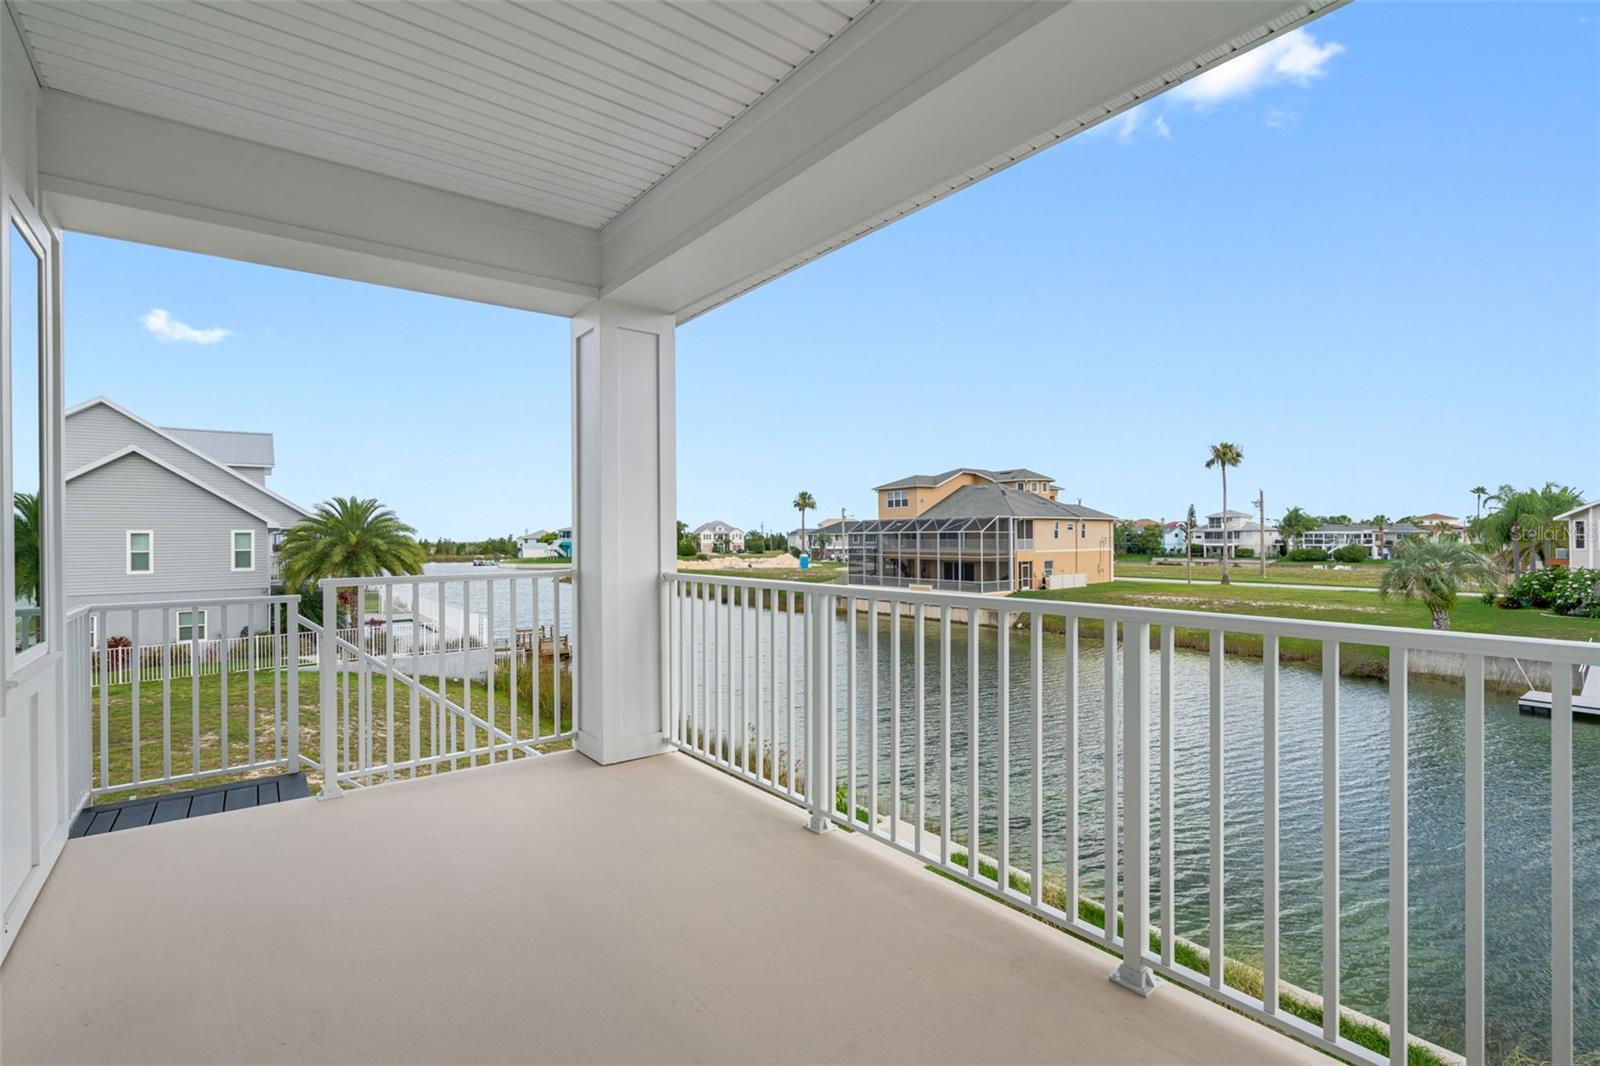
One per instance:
(233,551)
(205,623)
(127,555)
(1580,535)
(897,499)
(17,210)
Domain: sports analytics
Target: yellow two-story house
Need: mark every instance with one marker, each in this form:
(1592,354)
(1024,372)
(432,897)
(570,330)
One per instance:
(977,530)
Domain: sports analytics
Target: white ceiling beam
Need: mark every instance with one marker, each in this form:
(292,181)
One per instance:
(913,102)
(112,172)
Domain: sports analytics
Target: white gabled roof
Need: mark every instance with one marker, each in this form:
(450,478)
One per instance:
(101,401)
(134,449)
(1576,511)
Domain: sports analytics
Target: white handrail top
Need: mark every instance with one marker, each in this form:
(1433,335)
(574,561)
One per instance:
(480,573)
(192,601)
(1542,649)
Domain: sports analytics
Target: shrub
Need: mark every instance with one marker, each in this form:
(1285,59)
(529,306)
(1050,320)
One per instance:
(1307,555)
(1575,592)
(1244,553)
(1352,553)
(687,547)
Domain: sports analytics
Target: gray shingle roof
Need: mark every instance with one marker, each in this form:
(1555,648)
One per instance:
(928,481)
(985,501)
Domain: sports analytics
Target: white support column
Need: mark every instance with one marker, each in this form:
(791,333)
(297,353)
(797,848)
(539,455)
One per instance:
(624,488)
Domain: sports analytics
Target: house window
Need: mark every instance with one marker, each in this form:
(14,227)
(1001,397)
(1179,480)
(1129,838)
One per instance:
(1057,532)
(192,625)
(898,499)
(1577,533)
(1083,530)
(244,549)
(141,551)
(1049,568)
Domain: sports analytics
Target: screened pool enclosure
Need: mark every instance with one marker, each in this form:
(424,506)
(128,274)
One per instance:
(961,554)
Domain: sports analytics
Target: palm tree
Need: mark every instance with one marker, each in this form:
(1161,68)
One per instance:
(28,552)
(1224,455)
(1478,493)
(1524,521)
(1382,522)
(1295,524)
(1433,572)
(25,545)
(348,537)
(804,502)
(1190,521)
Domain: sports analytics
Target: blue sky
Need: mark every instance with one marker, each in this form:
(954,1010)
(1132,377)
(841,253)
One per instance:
(1369,257)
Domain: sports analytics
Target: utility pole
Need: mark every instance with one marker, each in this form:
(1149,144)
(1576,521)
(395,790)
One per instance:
(1261,528)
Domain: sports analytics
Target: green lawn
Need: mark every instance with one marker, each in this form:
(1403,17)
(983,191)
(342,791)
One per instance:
(120,721)
(1362,608)
(1249,570)
(817,572)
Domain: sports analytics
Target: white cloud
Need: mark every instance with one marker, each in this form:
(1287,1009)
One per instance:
(1162,128)
(1282,118)
(1296,58)
(1129,124)
(165,327)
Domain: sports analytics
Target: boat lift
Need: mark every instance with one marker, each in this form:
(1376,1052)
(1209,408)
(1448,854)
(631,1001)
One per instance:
(1586,702)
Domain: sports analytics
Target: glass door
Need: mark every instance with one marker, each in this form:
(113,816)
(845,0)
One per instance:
(25,398)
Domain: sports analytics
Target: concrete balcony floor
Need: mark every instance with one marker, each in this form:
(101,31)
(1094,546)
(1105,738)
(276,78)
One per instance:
(556,911)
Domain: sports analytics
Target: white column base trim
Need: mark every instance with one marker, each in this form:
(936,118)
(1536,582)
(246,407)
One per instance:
(1140,980)
(624,750)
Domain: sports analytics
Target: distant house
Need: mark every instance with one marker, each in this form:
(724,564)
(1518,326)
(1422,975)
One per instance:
(821,541)
(1173,537)
(1582,524)
(165,513)
(979,530)
(719,537)
(1228,531)
(1435,524)
(1333,536)
(532,545)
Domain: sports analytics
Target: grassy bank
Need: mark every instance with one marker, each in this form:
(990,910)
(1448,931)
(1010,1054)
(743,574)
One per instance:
(1364,575)
(817,573)
(1360,608)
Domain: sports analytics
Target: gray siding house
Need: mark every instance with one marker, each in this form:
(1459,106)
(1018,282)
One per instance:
(156,513)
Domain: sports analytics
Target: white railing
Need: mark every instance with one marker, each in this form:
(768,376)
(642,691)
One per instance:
(779,681)
(143,733)
(236,655)
(444,671)
(402,696)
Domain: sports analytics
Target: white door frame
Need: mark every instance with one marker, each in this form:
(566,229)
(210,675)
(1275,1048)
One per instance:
(42,784)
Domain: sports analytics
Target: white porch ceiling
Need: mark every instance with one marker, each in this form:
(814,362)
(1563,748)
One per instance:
(567,110)
(671,155)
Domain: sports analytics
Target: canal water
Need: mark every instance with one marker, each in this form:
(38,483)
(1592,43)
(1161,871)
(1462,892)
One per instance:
(529,613)
(1517,761)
